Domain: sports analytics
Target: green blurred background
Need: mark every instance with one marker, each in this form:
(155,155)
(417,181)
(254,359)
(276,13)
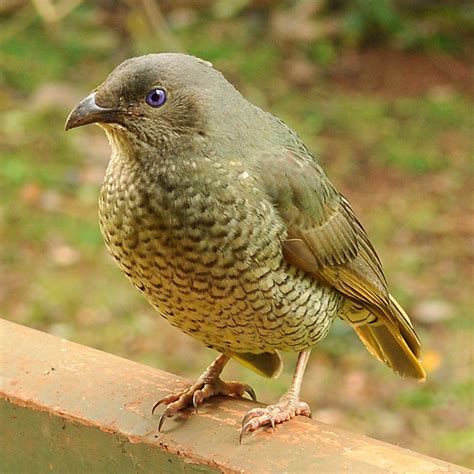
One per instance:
(380,90)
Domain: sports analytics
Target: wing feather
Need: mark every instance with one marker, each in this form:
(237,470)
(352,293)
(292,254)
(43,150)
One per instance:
(326,240)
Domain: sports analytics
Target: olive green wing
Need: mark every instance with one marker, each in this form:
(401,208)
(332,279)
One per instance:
(326,240)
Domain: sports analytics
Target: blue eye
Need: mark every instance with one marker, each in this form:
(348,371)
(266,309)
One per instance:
(156,97)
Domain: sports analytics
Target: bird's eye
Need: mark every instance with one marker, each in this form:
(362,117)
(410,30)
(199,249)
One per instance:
(156,97)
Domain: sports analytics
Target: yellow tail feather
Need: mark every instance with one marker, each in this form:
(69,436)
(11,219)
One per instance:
(392,340)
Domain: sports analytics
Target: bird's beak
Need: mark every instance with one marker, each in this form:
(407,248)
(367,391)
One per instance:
(89,112)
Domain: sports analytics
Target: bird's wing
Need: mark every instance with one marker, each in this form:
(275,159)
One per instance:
(326,240)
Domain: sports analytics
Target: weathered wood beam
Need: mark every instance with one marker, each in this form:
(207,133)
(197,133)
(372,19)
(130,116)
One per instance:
(69,408)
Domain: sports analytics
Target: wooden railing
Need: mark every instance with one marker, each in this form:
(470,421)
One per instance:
(68,408)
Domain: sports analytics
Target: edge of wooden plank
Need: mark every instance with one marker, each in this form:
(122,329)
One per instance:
(87,387)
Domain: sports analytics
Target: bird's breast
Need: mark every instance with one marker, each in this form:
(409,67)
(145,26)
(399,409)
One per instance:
(206,253)
(190,236)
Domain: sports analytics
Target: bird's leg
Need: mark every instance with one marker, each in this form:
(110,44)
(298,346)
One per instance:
(287,407)
(208,385)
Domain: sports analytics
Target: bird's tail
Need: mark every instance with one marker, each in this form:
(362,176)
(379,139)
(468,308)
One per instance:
(392,340)
(265,364)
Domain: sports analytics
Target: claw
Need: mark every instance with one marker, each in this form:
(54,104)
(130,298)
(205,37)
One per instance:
(161,421)
(247,416)
(195,402)
(248,422)
(243,430)
(251,426)
(272,422)
(156,405)
(252,414)
(251,392)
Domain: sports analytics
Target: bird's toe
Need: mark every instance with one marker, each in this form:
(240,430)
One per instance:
(284,410)
(197,394)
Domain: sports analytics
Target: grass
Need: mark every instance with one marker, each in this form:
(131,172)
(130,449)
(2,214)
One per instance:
(403,162)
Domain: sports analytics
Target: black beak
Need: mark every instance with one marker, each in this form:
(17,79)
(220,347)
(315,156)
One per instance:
(89,112)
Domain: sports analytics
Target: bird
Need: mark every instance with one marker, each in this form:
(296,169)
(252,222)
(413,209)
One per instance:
(225,221)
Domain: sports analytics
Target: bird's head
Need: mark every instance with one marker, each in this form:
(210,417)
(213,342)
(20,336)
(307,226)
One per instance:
(161,102)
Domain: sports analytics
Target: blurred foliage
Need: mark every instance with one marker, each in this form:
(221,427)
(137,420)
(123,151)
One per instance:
(380,90)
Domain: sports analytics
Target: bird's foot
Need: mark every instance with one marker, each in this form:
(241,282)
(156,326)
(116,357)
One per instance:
(287,408)
(203,389)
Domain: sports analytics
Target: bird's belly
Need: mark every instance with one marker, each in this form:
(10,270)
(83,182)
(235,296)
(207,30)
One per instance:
(222,278)
(240,306)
